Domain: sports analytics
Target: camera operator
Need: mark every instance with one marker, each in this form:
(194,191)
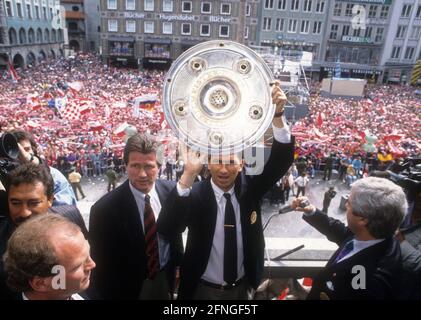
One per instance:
(63,192)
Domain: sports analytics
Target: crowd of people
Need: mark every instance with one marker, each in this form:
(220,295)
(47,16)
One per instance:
(386,120)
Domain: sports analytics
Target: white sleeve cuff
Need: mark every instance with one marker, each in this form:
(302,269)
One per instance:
(282,135)
(183,192)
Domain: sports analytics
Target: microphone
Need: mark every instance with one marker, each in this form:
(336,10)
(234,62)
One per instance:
(288,208)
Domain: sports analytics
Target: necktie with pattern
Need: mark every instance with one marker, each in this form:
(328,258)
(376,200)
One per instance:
(151,239)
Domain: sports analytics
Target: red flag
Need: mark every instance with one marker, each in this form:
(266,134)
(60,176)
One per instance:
(75,86)
(13,72)
(319,120)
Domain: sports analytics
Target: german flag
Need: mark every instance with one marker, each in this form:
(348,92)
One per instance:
(416,73)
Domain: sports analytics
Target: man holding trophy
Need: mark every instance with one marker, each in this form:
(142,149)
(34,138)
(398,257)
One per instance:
(224,253)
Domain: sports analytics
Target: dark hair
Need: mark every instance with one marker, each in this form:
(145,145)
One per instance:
(21,135)
(31,252)
(144,144)
(32,173)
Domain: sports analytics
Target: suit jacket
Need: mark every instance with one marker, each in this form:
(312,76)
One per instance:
(382,263)
(6,229)
(198,212)
(118,244)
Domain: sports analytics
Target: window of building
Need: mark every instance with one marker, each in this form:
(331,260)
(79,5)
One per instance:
(307,5)
(357,32)
(295,5)
(400,33)
(36,12)
(268,4)
(186,6)
(337,11)
(206,7)
(73,26)
(149,5)
(130,5)
(248,10)
(267,24)
(112,25)
(51,13)
(28,11)
(205,30)
(149,26)
(280,24)
(418,15)
(224,31)
(9,12)
(406,10)
(305,26)
(112,4)
(416,32)
(320,6)
(379,34)
(372,11)
(186,28)
(333,31)
(282,4)
(225,8)
(292,26)
(384,13)
(348,9)
(167,5)
(345,30)
(75,8)
(44,13)
(246,32)
(19,9)
(317,27)
(130,26)
(396,52)
(167,27)
(368,32)
(409,53)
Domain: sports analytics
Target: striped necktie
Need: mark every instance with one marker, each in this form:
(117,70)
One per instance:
(151,239)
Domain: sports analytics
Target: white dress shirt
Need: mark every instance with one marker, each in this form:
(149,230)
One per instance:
(163,245)
(215,269)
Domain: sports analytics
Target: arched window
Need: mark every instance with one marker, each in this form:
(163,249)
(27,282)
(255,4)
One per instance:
(22,36)
(47,36)
(39,35)
(31,36)
(13,38)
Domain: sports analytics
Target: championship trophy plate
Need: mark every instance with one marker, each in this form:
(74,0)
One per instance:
(217,97)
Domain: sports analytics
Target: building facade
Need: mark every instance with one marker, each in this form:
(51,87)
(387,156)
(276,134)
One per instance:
(152,33)
(402,46)
(31,32)
(93,25)
(294,25)
(355,38)
(75,24)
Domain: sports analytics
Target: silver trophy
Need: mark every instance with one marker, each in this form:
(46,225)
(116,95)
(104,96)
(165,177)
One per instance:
(217,97)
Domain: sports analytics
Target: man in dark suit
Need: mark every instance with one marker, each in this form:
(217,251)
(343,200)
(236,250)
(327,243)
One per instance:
(225,245)
(30,192)
(368,263)
(133,260)
(47,258)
